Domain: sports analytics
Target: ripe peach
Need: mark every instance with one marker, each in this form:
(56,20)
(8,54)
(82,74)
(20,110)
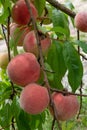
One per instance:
(81,21)
(45,44)
(34,98)
(30,44)
(66,106)
(18,33)
(23,69)
(20,12)
(4,60)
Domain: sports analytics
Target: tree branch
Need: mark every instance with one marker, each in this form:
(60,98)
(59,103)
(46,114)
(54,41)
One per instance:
(42,61)
(83,56)
(81,86)
(67,93)
(61,7)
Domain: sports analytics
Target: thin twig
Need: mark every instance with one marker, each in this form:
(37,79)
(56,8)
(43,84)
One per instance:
(42,59)
(13,126)
(8,34)
(9,54)
(78,38)
(67,93)
(55,114)
(83,56)
(80,101)
(61,7)
(53,123)
(3,30)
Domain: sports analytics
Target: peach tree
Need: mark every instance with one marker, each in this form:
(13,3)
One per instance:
(41,55)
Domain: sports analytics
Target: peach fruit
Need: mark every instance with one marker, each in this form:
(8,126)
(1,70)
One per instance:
(18,33)
(67,106)
(4,60)
(20,12)
(23,69)
(34,98)
(45,44)
(30,44)
(81,21)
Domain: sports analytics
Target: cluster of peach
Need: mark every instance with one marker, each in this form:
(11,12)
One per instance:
(22,31)
(24,69)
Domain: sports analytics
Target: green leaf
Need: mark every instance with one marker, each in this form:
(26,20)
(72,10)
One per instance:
(56,61)
(60,30)
(60,20)
(36,121)
(70,5)
(5,115)
(40,4)
(22,121)
(15,107)
(74,65)
(81,44)
(6,94)
(4,16)
(5,11)
(49,71)
(26,121)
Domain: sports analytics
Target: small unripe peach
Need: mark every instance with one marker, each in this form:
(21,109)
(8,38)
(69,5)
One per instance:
(81,21)
(34,98)
(4,60)
(30,44)
(20,12)
(66,106)
(23,69)
(17,33)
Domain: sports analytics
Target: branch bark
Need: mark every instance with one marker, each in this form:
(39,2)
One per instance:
(42,62)
(61,7)
(67,93)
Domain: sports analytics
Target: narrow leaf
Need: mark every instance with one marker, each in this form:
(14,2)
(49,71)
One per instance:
(74,65)
(56,61)
(61,20)
(40,4)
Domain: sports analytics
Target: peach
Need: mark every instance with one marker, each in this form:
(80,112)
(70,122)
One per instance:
(18,33)
(81,21)
(45,44)
(34,98)
(4,60)
(30,44)
(20,12)
(67,106)
(23,69)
